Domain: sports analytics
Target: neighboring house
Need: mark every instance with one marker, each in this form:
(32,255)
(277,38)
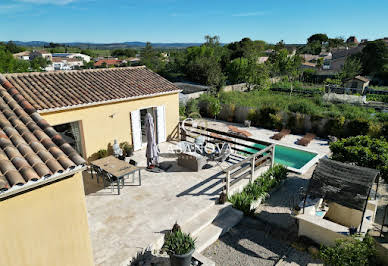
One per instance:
(133,60)
(309,57)
(41,53)
(22,55)
(94,107)
(262,59)
(81,57)
(345,52)
(108,62)
(308,65)
(358,82)
(64,63)
(352,40)
(43,219)
(190,91)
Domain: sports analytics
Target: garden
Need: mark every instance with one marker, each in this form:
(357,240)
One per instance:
(274,110)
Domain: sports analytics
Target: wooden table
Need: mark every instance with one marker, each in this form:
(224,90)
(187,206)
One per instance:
(116,168)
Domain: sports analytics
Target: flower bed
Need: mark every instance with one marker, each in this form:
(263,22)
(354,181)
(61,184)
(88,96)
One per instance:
(256,192)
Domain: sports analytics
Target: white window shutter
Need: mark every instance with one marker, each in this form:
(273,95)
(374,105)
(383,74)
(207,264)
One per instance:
(161,123)
(136,130)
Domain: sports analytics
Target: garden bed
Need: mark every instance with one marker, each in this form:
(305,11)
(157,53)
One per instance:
(256,192)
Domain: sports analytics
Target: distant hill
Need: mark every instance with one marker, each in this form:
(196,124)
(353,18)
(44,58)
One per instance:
(110,45)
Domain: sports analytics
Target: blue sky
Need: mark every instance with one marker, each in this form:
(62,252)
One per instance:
(189,20)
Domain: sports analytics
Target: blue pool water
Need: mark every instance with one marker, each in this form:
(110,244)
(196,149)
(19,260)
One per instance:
(288,156)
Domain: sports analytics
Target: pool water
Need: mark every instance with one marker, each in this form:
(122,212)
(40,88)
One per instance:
(288,156)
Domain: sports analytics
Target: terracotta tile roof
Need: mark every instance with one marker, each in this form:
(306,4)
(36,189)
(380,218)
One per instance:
(50,91)
(61,59)
(108,62)
(31,151)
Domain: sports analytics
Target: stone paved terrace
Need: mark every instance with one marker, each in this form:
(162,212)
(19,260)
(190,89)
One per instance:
(121,225)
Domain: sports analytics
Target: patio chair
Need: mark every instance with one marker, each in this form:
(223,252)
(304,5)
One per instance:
(108,179)
(281,134)
(306,139)
(222,155)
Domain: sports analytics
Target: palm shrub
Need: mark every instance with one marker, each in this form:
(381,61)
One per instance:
(279,172)
(349,252)
(258,189)
(178,243)
(242,201)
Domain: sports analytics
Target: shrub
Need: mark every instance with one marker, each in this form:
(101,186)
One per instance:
(102,153)
(178,243)
(242,201)
(182,111)
(192,107)
(303,107)
(357,127)
(264,117)
(258,189)
(363,151)
(351,251)
(278,171)
(276,120)
(214,107)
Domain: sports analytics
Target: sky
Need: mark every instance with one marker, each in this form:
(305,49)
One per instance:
(103,21)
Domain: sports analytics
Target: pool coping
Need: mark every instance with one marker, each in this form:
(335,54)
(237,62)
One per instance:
(308,165)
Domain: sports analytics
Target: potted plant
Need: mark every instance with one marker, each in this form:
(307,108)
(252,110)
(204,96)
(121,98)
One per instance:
(102,153)
(127,149)
(179,246)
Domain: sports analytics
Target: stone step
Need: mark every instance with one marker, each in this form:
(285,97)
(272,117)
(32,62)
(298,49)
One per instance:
(222,224)
(198,223)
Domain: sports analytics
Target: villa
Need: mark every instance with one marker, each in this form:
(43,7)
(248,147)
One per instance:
(52,127)
(95,107)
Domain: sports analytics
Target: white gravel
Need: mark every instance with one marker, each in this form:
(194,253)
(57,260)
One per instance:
(251,243)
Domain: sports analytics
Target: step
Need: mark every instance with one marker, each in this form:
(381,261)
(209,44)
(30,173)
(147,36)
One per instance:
(198,223)
(217,228)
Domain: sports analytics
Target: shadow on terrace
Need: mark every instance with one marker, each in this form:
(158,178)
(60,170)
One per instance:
(121,225)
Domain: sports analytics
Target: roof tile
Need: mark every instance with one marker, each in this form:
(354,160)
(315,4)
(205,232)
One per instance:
(47,91)
(30,148)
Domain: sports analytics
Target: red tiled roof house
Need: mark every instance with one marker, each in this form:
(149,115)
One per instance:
(42,204)
(91,108)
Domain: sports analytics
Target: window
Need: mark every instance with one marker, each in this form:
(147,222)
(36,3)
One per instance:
(72,134)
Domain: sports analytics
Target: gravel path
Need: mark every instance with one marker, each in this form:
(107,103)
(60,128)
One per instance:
(276,210)
(250,243)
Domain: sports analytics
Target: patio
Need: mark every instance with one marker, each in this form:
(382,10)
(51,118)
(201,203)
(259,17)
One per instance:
(121,225)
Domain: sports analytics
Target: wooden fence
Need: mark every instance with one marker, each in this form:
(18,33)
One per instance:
(244,168)
(247,167)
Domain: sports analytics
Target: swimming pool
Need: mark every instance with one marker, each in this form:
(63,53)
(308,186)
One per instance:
(288,156)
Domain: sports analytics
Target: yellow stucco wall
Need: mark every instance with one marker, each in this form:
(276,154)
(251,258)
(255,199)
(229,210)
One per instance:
(104,123)
(46,226)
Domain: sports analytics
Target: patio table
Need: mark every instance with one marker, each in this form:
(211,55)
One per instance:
(116,168)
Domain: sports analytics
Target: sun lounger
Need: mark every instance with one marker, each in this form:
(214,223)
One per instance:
(245,133)
(281,134)
(306,139)
(240,132)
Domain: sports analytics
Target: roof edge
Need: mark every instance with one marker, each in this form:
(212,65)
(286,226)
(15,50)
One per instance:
(69,71)
(32,185)
(85,105)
